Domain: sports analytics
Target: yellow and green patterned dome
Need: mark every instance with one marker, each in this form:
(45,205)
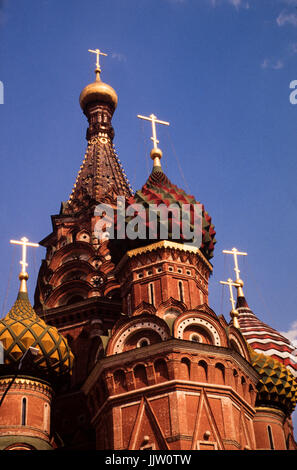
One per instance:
(22,328)
(277,385)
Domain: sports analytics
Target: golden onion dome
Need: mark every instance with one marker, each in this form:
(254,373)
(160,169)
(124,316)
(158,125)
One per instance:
(22,328)
(277,385)
(98,91)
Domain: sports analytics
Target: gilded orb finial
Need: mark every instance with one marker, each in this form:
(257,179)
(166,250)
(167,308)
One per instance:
(98,91)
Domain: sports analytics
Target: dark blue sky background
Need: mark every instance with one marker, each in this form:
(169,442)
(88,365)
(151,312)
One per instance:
(218,71)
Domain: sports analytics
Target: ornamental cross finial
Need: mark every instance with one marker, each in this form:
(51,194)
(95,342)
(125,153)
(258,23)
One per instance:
(230,283)
(235,253)
(24,242)
(154,121)
(98,54)
(234,312)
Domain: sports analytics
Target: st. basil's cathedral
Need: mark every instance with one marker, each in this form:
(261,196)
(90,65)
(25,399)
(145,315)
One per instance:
(122,350)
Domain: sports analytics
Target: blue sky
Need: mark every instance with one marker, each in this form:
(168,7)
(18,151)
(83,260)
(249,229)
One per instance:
(218,70)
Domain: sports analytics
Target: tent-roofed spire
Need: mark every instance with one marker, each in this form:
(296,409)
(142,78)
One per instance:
(101,175)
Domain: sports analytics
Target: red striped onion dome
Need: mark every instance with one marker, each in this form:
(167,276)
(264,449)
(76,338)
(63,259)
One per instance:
(159,190)
(264,339)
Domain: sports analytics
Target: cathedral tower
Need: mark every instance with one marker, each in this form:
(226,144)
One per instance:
(154,366)
(172,375)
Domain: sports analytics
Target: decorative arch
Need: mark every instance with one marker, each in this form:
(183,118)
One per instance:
(125,336)
(171,305)
(61,294)
(237,342)
(74,275)
(144,308)
(145,334)
(207,328)
(71,266)
(69,249)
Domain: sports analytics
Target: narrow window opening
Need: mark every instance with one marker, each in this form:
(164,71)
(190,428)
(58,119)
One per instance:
(270,437)
(45,416)
(151,294)
(129,304)
(24,411)
(181,291)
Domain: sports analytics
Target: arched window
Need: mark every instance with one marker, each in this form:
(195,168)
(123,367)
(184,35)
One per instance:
(24,411)
(143,342)
(220,374)
(195,338)
(243,385)
(236,378)
(120,381)
(161,370)
(202,371)
(140,376)
(186,368)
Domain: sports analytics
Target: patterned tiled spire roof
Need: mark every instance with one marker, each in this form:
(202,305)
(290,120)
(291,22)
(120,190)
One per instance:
(100,174)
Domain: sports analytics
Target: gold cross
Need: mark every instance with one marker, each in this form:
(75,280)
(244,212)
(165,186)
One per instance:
(230,283)
(234,312)
(98,53)
(154,121)
(235,253)
(24,242)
